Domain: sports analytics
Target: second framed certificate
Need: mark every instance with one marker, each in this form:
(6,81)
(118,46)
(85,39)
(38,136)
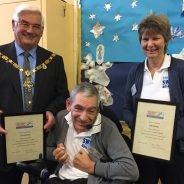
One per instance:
(154,129)
(25,138)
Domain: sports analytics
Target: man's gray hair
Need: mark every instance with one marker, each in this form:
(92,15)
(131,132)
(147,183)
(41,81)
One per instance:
(87,89)
(26,7)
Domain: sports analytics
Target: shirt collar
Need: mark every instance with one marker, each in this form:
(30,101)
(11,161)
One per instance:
(166,63)
(95,129)
(19,50)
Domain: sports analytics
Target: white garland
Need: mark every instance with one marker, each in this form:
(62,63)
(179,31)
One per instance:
(95,73)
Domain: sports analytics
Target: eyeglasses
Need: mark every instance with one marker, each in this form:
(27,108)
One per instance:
(26,25)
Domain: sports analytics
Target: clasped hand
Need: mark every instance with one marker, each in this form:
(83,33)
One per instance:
(60,154)
(81,160)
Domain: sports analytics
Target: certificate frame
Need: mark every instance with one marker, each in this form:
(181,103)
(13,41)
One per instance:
(25,140)
(154,129)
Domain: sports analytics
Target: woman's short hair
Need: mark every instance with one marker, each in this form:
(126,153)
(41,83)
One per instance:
(155,24)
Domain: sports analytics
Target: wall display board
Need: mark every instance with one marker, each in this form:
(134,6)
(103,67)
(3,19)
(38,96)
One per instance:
(113,24)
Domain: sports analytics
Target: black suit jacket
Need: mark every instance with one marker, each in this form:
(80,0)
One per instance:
(50,90)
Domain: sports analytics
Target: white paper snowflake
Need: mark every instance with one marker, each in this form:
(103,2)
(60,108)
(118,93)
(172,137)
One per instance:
(134,3)
(117,17)
(108,6)
(116,38)
(92,16)
(87,44)
(134,27)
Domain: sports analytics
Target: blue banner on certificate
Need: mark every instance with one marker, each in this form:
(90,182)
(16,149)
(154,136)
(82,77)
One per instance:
(154,129)
(25,138)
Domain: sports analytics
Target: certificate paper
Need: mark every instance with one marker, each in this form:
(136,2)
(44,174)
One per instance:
(24,140)
(154,128)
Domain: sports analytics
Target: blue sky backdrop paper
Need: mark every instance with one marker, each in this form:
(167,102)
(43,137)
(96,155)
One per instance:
(113,24)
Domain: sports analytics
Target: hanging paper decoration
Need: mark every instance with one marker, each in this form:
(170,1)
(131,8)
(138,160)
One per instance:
(177,32)
(95,73)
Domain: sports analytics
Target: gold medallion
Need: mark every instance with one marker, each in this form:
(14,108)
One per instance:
(44,66)
(28,83)
(27,73)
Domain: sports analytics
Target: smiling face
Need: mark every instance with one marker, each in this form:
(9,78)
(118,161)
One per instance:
(153,45)
(84,111)
(154,34)
(27,30)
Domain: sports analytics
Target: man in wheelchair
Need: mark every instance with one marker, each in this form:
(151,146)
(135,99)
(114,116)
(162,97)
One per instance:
(88,146)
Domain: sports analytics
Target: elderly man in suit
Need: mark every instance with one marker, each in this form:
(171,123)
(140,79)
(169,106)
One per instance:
(45,79)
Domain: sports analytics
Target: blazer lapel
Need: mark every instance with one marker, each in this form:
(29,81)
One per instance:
(40,57)
(12,72)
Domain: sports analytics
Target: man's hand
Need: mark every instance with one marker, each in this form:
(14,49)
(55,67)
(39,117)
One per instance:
(2,130)
(83,162)
(60,154)
(50,120)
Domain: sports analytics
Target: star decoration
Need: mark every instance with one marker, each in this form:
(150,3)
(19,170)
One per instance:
(116,38)
(97,30)
(117,17)
(92,16)
(134,3)
(108,6)
(87,44)
(134,27)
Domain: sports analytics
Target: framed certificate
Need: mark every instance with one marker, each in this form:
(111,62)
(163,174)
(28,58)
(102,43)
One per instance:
(154,129)
(25,138)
